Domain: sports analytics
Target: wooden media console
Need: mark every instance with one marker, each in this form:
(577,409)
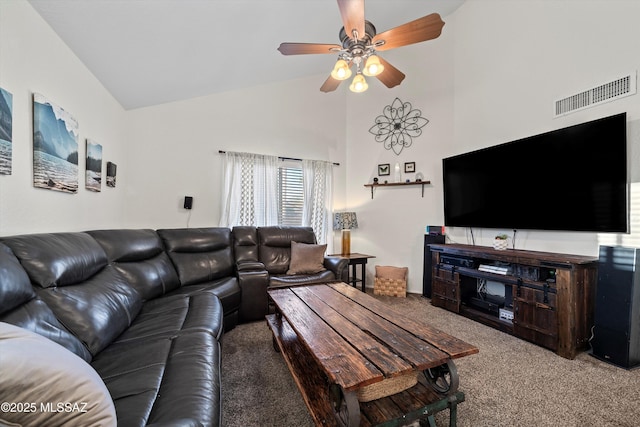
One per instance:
(546,298)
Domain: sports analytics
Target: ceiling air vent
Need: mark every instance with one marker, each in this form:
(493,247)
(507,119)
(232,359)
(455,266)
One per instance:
(619,88)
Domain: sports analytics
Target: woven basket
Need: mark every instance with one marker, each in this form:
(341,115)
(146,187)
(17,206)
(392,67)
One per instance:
(390,287)
(387,387)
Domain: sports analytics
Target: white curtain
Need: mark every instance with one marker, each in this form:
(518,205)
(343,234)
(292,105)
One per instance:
(318,199)
(250,190)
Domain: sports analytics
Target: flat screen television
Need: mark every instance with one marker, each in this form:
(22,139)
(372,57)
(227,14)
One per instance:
(572,179)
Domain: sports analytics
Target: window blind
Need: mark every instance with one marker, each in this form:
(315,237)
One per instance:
(291,194)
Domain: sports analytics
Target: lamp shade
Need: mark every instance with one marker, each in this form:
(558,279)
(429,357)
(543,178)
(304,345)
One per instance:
(373,67)
(341,70)
(345,221)
(358,84)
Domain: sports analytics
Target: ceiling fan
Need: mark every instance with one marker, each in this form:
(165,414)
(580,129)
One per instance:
(360,44)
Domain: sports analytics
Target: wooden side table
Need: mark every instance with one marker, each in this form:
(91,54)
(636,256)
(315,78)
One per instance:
(354,260)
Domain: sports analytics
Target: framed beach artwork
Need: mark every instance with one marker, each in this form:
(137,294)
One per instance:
(111,174)
(6,131)
(55,147)
(93,175)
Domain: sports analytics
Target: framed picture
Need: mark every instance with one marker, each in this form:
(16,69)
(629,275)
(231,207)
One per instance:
(93,175)
(111,174)
(384,169)
(409,167)
(6,120)
(55,147)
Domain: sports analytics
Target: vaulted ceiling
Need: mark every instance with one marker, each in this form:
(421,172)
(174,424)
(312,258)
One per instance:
(148,52)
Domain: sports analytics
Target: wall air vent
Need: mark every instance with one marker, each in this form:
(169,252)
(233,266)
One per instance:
(618,88)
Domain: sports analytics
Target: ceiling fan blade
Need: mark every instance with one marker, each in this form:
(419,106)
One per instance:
(304,48)
(330,85)
(390,76)
(352,12)
(422,29)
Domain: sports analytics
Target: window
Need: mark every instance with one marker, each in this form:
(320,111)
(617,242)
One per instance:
(290,196)
(261,190)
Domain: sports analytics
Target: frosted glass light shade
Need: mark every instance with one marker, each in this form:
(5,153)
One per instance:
(359,84)
(341,70)
(373,67)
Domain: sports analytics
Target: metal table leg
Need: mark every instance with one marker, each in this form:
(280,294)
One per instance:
(345,406)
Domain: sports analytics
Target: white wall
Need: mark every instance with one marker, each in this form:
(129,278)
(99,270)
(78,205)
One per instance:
(34,59)
(163,153)
(491,77)
(175,149)
(513,59)
(392,224)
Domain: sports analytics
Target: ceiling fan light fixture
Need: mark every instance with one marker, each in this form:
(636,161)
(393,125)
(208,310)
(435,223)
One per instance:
(341,70)
(359,84)
(373,67)
(360,43)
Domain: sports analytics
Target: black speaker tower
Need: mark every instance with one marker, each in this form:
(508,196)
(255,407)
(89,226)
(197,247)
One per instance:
(616,334)
(426,273)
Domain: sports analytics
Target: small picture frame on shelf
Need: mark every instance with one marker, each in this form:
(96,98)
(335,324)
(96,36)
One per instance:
(384,169)
(409,167)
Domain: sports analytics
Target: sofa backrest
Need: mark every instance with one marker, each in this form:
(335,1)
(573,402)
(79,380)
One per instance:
(274,245)
(245,244)
(71,275)
(140,257)
(20,306)
(199,254)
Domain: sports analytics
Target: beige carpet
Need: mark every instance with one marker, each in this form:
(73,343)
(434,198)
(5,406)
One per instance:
(509,383)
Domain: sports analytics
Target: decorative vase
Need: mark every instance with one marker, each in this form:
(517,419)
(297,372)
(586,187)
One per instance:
(500,244)
(397,174)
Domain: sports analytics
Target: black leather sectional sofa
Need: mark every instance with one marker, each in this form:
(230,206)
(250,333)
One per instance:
(147,309)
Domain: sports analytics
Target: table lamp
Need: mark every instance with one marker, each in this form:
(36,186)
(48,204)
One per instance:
(345,221)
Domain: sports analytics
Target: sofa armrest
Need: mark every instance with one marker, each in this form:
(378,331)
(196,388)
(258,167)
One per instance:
(250,266)
(337,265)
(253,282)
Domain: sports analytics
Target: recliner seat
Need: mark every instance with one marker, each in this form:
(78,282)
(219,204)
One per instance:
(148,308)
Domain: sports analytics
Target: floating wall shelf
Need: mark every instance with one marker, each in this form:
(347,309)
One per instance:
(398,184)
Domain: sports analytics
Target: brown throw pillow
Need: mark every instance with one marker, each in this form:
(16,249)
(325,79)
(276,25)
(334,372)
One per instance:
(306,259)
(393,273)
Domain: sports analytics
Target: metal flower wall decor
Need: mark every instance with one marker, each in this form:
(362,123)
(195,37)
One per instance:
(398,125)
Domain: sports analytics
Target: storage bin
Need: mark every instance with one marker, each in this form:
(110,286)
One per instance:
(390,281)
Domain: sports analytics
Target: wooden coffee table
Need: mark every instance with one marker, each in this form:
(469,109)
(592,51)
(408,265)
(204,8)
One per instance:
(347,350)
